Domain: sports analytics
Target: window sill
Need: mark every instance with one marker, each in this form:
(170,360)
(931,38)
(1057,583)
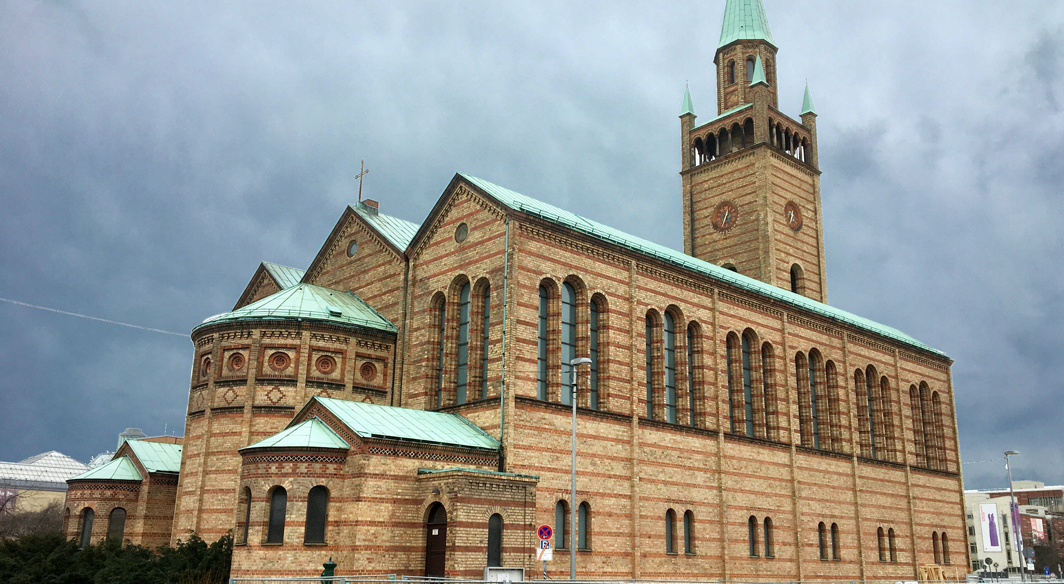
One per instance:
(315,543)
(770,557)
(690,554)
(588,550)
(671,554)
(272,543)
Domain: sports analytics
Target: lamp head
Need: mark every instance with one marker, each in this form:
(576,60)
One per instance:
(580,361)
(1011,453)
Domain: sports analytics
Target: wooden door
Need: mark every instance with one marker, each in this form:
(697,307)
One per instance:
(436,542)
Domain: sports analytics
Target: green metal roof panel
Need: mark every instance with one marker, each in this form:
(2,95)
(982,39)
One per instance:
(743,20)
(157,456)
(724,115)
(286,277)
(119,469)
(312,433)
(395,230)
(759,73)
(310,302)
(524,204)
(807,102)
(372,420)
(688,107)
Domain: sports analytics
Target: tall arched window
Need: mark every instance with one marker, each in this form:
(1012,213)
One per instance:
(317,515)
(688,532)
(939,432)
(834,413)
(797,280)
(561,527)
(735,399)
(891,545)
(938,550)
(485,342)
(835,554)
(245,516)
(541,343)
(875,413)
(441,338)
(822,540)
(919,444)
(694,366)
(768,381)
(814,399)
(864,419)
(751,536)
(886,420)
(670,532)
(278,507)
(495,541)
(945,548)
(806,403)
(568,340)
(87,517)
(869,402)
(670,368)
(749,69)
(748,397)
(882,541)
(769,543)
(731,71)
(116,524)
(583,516)
(463,345)
(650,366)
(593,353)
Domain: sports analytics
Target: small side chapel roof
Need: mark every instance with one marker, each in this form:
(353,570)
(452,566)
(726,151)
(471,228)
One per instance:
(744,20)
(397,231)
(157,456)
(284,276)
(563,218)
(312,433)
(376,421)
(119,469)
(309,302)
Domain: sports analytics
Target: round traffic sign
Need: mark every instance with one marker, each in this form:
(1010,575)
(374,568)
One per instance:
(545,532)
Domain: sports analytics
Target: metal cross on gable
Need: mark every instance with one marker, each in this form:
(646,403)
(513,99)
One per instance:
(359,177)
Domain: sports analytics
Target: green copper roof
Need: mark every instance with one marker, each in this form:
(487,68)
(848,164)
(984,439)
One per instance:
(309,302)
(524,204)
(807,103)
(744,19)
(157,456)
(395,230)
(371,420)
(312,433)
(688,107)
(759,73)
(738,108)
(286,277)
(119,469)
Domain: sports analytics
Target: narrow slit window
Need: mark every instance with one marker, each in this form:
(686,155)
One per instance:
(670,369)
(541,344)
(485,342)
(463,345)
(568,340)
(593,353)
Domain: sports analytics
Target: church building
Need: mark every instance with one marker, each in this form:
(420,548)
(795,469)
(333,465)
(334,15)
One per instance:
(403,405)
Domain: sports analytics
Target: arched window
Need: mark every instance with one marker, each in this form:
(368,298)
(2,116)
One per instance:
(749,69)
(87,517)
(650,365)
(945,548)
(748,132)
(797,281)
(882,541)
(735,399)
(919,444)
(561,518)
(806,401)
(768,382)
(822,540)
(731,267)
(891,544)
(814,399)
(278,507)
(938,550)
(835,554)
(670,532)
(541,343)
(116,524)
(670,368)
(834,413)
(694,367)
(593,353)
(731,72)
(245,517)
(317,514)
(568,340)
(769,544)
(939,432)
(463,345)
(485,341)
(751,535)
(583,515)
(495,541)
(875,413)
(885,419)
(748,398)
(688,532)
(865,418)
(441,338)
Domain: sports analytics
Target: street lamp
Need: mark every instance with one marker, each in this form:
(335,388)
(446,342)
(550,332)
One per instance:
(573,535)
(1014,517)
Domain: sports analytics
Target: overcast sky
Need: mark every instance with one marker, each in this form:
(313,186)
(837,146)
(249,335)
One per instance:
(152,154)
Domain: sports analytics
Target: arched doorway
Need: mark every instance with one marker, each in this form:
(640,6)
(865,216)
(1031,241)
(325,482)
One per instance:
(436,542)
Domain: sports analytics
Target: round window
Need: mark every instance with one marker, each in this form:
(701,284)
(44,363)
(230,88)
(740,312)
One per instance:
(368,371)
(352,248)
(279,361)
(236,362)
(461,233)
(325,364)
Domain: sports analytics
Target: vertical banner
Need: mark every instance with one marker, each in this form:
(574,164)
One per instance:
(988,520)
(1036,529)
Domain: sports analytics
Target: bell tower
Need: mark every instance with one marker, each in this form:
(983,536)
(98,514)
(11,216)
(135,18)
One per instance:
(751,184)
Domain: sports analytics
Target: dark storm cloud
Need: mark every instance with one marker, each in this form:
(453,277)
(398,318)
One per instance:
(152,155)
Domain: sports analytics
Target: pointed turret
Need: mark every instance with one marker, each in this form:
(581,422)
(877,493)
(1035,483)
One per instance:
(807,103)
(745,20)
(759,74)
(688,107)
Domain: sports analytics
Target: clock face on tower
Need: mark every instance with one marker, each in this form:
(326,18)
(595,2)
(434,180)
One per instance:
(792,215)
(725,216)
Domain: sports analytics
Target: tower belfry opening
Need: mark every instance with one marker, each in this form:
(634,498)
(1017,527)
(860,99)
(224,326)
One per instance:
(751,182)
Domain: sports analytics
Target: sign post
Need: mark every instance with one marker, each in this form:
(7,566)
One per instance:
(544,553)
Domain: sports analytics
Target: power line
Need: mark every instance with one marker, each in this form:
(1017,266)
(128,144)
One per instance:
(155,330)
(982,461)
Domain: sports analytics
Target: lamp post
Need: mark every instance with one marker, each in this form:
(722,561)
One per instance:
(1014,518)
(573,535)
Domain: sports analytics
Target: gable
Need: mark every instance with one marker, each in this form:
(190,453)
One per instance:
(268,280)
(442,220)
